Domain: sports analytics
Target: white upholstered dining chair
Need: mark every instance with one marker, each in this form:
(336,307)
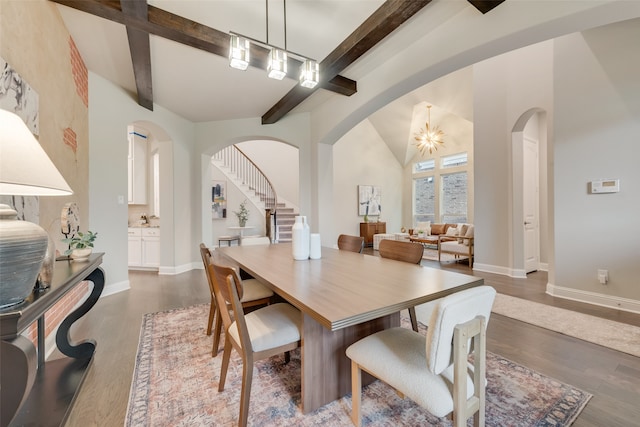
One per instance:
(432,371)
(263,333)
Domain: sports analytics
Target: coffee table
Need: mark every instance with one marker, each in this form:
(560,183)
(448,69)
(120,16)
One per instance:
(426,240)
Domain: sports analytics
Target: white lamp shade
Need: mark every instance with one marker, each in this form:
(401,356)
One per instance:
(25,169)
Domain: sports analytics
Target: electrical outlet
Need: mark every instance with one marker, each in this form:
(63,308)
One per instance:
(603,276)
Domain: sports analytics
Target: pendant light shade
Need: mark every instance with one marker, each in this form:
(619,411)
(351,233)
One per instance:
(309,73)
(239,52)
(277,64)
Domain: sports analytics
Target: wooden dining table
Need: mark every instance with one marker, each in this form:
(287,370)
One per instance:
(343,297)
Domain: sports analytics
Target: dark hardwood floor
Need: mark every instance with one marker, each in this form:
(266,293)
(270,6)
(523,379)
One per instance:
(611,376)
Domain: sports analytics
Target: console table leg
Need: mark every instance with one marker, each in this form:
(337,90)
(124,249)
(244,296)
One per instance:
(85,348)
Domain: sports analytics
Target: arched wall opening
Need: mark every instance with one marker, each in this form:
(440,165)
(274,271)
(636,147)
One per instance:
(276,159)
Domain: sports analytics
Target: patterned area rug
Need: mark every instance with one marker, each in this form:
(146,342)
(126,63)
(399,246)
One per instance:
(175,383)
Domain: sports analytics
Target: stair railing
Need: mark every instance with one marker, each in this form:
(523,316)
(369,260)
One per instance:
(252,176)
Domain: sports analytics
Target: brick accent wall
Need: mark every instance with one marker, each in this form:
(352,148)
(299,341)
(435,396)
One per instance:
(58,312)
(80,74)
(70,139)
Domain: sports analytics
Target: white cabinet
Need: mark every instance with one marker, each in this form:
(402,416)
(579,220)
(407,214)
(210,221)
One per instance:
(151,247)
(137,167)
(144,247)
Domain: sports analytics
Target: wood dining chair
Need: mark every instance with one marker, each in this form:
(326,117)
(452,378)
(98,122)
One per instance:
(433,371)
(255,294)
(261,334)
(403,251)
(351,243)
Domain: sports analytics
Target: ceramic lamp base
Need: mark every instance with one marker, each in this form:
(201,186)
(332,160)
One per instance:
(23,245)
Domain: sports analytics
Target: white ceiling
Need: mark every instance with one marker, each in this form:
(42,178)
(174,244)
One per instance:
(201,87)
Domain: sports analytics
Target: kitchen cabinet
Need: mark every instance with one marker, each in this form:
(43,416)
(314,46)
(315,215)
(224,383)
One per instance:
(368,229)
(135,245)
(151,247)
(137,168)
(144,247)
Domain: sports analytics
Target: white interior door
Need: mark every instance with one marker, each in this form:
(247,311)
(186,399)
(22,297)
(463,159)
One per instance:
(530,204)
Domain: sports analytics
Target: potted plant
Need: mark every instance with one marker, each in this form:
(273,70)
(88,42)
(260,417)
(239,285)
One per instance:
(242,214)
(80,245)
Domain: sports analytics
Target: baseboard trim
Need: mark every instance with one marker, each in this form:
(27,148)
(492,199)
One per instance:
(504,271)
(618,303)
(115,288)
(172,271)
(543,266)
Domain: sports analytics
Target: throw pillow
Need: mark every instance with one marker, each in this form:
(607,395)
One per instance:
(452,231)
(463,232)
(437,228)
(469,233)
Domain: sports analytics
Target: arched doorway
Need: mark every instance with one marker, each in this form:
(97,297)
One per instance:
(530,219)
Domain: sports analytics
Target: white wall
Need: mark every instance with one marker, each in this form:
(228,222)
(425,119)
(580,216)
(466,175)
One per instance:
(597,124)
(110,111)
(505,88)
(362,158)
(280,164)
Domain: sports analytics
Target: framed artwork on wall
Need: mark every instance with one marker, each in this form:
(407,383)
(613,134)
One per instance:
(17,96)
(218,199)
(369,200)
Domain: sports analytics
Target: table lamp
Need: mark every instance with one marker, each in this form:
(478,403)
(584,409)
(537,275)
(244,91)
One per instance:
(25,170)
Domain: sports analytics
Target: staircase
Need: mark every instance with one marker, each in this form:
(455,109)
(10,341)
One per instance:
(284,223)
(252,181)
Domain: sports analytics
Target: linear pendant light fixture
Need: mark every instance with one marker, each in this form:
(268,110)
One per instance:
(239,56)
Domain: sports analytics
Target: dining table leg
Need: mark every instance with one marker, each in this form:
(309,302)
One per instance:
(326,369)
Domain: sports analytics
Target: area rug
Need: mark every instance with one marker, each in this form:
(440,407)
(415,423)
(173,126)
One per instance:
(432,254)
(175,382)
(608,333)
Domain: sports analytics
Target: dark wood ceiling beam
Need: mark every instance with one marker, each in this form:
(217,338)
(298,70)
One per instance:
(140,50)
(485,6)
(380,24)
(182,30)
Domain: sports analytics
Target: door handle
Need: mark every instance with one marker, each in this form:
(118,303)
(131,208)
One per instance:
(527,223)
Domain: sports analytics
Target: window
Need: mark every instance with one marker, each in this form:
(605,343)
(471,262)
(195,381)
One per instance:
(454,160)
(426,165)
(439,196)
(424,199)
(155,165)
(454,198)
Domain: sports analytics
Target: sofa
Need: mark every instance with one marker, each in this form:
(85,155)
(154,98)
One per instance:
(456,239)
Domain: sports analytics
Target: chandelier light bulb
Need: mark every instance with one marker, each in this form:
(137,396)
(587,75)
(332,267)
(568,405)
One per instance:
(239,48)
(429,138)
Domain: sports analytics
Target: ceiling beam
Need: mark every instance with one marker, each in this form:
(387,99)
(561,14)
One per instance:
(182,30)
(380,24)
(485,6)
(140,50)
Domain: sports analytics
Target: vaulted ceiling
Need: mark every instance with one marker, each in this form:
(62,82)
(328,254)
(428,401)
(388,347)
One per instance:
(174,53)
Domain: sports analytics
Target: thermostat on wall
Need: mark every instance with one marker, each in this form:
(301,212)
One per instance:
(604,186)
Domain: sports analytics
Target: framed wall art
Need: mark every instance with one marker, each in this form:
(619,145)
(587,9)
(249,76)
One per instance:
(218,199)
(369,200)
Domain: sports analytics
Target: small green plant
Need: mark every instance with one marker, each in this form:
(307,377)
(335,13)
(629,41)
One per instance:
(242,214)
(80,241)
